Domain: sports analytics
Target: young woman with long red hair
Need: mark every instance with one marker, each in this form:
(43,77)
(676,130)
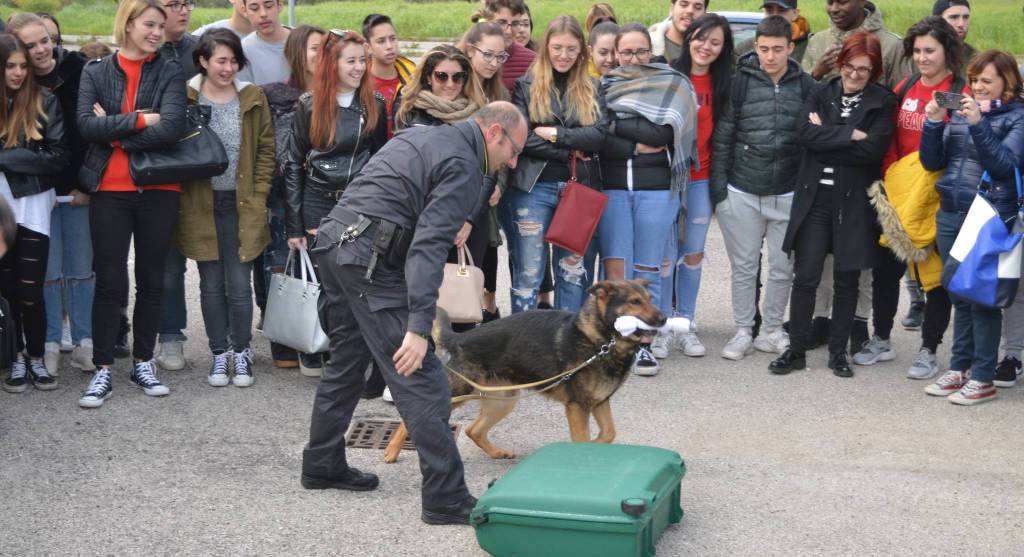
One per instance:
(336,129)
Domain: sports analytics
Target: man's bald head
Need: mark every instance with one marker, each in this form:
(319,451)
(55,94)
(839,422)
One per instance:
(504,129)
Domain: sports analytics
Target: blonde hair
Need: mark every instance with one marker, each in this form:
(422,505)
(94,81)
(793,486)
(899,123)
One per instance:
(127,11)
(580,101)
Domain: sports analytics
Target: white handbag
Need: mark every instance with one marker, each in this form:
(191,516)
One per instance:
(292,318)
(462,290)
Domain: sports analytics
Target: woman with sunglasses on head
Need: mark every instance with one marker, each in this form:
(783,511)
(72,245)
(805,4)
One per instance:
(31,152)
(642,184)
(985,136)
(847,126)
(601,44)
(301,50)
(335,131)
(133,100)
(706,59)
(561,103)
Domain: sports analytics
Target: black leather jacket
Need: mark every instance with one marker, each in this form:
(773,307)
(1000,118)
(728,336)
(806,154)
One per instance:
(69,74)
(537,152)
(325,174)
(33,166)
(161,90)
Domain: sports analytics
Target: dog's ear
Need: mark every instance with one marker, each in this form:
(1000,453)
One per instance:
(599,291)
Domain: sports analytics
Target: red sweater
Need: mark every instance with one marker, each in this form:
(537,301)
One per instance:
(519,61)
(910,119)
(705,125)
(116,177)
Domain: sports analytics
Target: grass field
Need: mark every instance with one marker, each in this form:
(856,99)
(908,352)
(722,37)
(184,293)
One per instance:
(995,23)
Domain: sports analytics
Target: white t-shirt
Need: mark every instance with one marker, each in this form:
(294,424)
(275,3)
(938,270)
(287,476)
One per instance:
(30,211)
(219,24)
(345,99)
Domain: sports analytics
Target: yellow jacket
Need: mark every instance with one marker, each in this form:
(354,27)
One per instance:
(906,205)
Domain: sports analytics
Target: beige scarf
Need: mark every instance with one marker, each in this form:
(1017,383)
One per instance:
(447,111)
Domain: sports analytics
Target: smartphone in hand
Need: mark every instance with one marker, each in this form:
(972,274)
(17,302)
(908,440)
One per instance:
(950,101)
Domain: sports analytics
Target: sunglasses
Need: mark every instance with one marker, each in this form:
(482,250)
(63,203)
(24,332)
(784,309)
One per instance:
(458,77)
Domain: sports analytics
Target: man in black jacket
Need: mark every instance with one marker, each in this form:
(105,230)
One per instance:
(381,253)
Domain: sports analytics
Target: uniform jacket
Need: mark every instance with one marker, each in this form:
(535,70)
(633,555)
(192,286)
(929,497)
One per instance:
(995,144)
(161,90)
(537,152)
(351,150)
(197,237)
(896,68)
(427,180)
(857,164)
(755,147)
(34,166)
(69,75)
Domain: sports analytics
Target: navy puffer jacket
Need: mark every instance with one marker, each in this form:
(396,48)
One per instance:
(995,144)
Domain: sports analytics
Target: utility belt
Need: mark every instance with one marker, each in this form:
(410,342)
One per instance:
(389,242)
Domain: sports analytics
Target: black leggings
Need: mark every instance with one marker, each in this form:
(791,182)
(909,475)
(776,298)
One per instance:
(22,272)
(885,292)
(115,220)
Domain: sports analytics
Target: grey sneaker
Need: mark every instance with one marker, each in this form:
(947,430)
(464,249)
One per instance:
(81,356)
(691,346)
(51,357)
(874,351)
(741,344)
(172,356)
(774,342)
(925,365)
(659,346)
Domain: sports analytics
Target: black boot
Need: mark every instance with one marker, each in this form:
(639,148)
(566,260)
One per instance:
(457,513)
(351,480)
(790,360)
(839,364)
(374,384)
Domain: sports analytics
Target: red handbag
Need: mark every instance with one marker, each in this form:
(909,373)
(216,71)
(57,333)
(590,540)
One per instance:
(576,217)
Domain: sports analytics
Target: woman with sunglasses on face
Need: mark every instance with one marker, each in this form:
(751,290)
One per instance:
(847,126)
(562,105)
(133,100)
(986,135)
(335,131)
(706,59)
(31,151)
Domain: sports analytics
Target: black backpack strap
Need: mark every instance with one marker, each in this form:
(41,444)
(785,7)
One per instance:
(908,84)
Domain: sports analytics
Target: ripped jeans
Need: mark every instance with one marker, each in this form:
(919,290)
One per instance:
(525,216)
(631,230)
(686,278)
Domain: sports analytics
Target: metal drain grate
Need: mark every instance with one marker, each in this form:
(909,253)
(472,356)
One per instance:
(376,434)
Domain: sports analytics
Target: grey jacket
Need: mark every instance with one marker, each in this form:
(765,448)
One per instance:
(754,146)
(427,180)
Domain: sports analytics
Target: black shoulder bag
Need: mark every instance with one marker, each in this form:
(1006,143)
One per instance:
(197,155)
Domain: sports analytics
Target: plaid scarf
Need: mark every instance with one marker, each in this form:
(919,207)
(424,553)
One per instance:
(664,97)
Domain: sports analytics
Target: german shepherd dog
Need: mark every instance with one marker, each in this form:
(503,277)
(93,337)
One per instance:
(535,345)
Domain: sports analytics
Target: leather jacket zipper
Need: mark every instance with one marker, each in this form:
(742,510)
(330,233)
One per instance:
(352,159)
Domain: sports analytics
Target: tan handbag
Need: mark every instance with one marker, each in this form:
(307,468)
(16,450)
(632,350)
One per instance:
(462,290)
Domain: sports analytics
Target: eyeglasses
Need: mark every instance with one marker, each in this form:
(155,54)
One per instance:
(638,53)
(516,149)
(863,71)
(490,55)
(340,33)
(513,24)
(180,6)
(558,49)
(458,77)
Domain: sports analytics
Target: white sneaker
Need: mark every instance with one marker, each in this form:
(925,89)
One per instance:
(51,358)
(243,369)
(690,345)
(387,395)
(775,342)
(645,364)
(172,356)
(81,356)
(739,345)
(218,376)
(659,346)
(66,345)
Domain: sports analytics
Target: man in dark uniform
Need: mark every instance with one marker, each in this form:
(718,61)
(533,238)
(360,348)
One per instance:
(381,253)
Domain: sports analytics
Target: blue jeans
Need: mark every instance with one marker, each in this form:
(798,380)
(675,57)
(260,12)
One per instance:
(976,329)
(686,279)
(525,216)
(275,255)
(70,283)
(173,315)
(631,230)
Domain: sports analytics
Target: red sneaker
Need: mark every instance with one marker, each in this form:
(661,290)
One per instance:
(974,392)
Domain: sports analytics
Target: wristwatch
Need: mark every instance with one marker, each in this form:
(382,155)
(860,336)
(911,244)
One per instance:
(554,135)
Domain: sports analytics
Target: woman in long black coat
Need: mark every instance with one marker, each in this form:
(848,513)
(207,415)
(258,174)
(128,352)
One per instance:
(847,126)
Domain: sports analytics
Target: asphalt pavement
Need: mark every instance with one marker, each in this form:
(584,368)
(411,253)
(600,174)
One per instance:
(806,464)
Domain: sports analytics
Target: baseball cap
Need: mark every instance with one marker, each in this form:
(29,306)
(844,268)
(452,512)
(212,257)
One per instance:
(784,4)
(943,5)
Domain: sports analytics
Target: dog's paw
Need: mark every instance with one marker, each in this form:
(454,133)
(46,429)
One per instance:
(390,457)
(501,453)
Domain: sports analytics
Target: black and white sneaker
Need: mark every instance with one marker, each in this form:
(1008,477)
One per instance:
(645,364)
(40,378)
(218,376)
(144,376)
(1007,372)
(98,391)
(16,382)
(243,368)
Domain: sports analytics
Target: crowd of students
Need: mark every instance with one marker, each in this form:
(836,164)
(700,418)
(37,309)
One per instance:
(781,137)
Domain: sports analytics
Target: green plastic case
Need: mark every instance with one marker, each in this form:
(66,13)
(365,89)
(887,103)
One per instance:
(582,499)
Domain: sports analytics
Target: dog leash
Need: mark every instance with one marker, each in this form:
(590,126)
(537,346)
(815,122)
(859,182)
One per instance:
(555,380)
